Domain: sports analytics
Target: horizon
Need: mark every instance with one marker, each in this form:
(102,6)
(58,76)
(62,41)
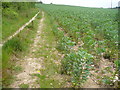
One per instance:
(85,3)
(82,3)
(78,6)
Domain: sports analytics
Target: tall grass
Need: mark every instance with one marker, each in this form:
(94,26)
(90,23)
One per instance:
(12,21)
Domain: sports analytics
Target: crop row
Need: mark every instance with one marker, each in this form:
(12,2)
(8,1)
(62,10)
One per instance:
(97,29)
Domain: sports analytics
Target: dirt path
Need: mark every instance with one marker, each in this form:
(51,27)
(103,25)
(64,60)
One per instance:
(30,64)
(41,66)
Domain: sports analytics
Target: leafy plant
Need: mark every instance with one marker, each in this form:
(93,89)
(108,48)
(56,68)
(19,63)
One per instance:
(65,44)
(77,65)
(107,80)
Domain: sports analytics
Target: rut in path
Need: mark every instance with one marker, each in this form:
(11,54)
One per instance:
(30,64)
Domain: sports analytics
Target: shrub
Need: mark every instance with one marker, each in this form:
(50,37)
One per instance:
(10,13)
(14,45)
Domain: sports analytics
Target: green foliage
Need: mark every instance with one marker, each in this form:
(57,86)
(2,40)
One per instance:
(17,68)
(83,23)
(117,64)
(40,76)
(6,5)
(12,12)
(59,35)
(15,45)
(65,44)
(78,65)
(107,81)
(95,27)
(5,58)
(9,13)
(18,6)
(24,86)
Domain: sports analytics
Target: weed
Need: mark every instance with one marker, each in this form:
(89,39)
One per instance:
(17,68)
(24,86)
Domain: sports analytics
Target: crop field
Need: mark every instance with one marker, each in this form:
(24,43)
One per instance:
(87,36)
(63,47)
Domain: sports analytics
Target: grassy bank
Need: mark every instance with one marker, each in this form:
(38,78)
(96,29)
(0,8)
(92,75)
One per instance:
(17,46)
(12,20)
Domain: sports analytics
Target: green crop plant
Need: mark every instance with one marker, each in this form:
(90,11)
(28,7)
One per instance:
(65,44)
(79,22)
(77,65)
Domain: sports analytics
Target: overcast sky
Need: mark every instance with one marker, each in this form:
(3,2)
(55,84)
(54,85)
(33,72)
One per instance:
(86,3)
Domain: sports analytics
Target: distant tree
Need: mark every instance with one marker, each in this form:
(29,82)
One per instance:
(51,3)
(41,2)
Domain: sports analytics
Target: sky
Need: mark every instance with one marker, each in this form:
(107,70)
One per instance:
(85,3)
